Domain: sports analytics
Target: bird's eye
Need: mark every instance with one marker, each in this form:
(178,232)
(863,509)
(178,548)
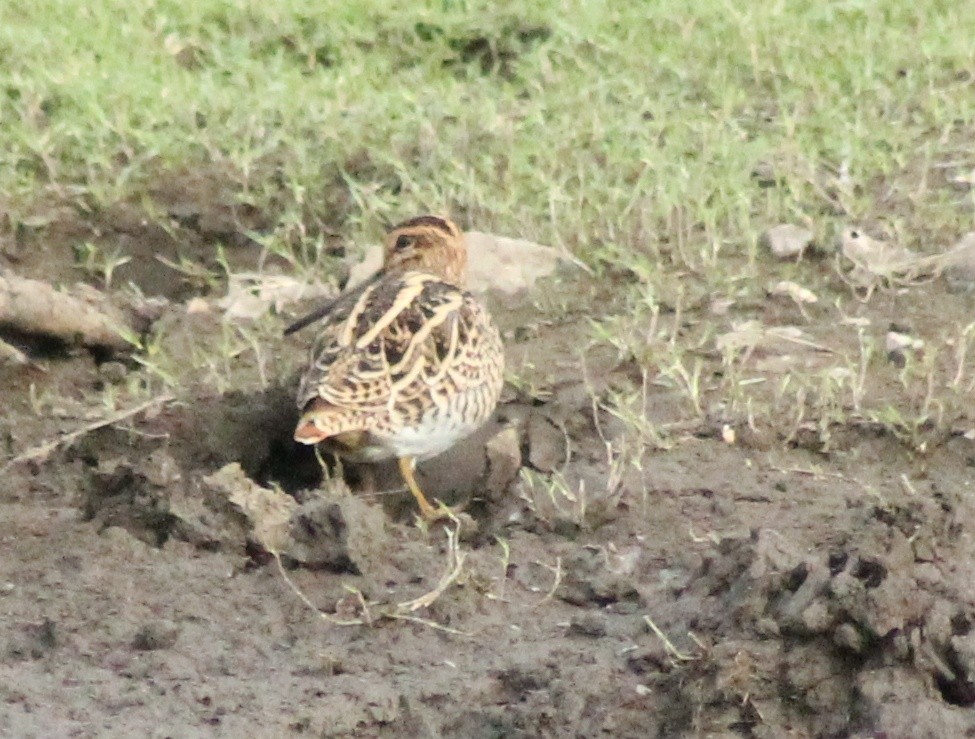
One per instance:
(403,242)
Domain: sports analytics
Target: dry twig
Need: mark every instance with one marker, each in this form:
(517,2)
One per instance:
(42,451)
(673,651)
(455,565)
(397,612)
(556,571)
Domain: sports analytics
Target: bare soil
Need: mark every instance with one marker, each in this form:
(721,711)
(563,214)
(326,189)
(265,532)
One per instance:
(768,587)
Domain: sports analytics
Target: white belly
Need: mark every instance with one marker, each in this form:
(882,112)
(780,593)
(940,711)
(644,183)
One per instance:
(434,435)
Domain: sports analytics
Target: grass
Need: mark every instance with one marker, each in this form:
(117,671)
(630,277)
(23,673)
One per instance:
(655,142)
(573,122)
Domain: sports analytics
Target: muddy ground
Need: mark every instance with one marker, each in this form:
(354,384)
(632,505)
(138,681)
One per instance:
(688,583)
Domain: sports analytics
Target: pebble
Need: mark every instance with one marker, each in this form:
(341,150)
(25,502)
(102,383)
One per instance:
(113,372)
(503,452)
(159,634)
(589,624)
(960,272)
(847,635)
(786,240)
(546,444)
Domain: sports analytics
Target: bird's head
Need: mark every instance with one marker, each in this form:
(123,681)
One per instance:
(429,244)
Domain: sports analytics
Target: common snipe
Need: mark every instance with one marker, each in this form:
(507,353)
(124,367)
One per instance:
(405,365)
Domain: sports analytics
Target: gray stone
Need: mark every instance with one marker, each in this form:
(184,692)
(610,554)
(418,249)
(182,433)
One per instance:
(787,241)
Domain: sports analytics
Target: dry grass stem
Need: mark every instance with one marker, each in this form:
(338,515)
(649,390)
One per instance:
(455,565)
(43,451)
(556,570)
(673,651)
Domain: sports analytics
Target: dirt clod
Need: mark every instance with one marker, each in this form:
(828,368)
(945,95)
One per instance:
(337,531)
(503,451)
(157,634)
(589,625)
(32,641)
(589,582)
(546,444)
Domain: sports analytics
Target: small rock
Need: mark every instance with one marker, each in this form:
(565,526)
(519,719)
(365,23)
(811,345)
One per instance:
(159,634)
(10,354)
(339,532)
(963,180)
(816,618)
(124,543)
(928,575)
(586,582)
(964,648)
(848,636)
(649,659)
(592,625)
(793,610)
(197,305)
(147,310)
(901,647)
(494,263)
(720,306)
(939,621)
(505,264)
(794,290)
(764,174)
(899,345)
(960,269)
(546,444)
(251,295)
(767,628)
(113,372)
(898,339)
(787,240)
(524,678)
(268,511)
(162,469)
(196,523)
(503,452)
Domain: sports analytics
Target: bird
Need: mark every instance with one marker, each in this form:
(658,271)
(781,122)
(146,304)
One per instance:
(406,364)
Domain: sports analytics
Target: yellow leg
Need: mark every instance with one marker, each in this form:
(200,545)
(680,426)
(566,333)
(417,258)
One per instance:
(426,510)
